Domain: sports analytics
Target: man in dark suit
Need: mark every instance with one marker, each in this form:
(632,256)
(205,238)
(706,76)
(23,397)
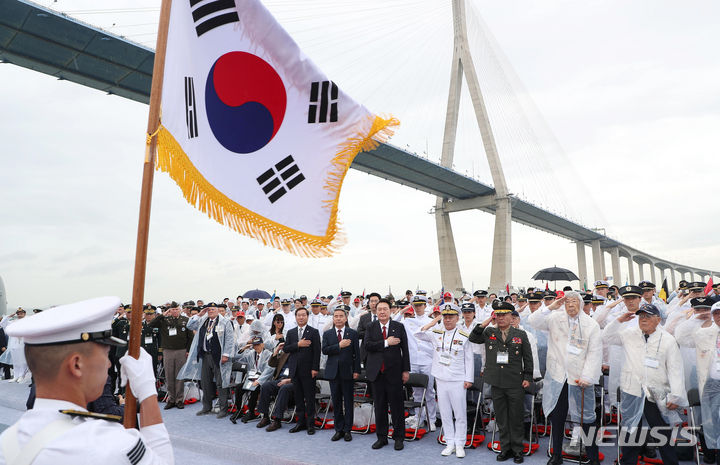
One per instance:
(370,316)
(3,347)
(303,345)
(341,345)
(388,367)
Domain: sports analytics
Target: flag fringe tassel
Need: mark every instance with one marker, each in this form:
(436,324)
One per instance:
(199,192)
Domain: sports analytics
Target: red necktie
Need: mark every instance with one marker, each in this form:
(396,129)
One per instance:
(382,367)
(339,335)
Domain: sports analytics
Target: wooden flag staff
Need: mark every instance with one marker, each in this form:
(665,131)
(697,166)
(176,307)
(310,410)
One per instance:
(146,201)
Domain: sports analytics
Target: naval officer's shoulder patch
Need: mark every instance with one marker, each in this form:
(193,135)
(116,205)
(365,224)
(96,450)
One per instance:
(99,416)
(438,331)
(463,333)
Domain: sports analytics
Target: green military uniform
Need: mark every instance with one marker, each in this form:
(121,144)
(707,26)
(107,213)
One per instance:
(175,341)
(508,363)
(150,339)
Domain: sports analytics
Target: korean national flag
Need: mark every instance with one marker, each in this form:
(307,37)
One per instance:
(252,131)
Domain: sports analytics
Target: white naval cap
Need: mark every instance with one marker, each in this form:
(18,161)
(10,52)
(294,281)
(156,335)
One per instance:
(89,320)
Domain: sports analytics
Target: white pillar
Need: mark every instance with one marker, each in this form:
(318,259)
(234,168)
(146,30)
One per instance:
(631,269)
(582,264)
(597,260)
(501,270)
(652,273)
(641,273)
(615,259)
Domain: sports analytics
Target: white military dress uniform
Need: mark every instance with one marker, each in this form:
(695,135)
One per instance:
(46,436)
(421,357)
(707,345)
(452,366)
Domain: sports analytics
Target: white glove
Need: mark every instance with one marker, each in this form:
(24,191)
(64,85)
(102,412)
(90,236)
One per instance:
(139,372)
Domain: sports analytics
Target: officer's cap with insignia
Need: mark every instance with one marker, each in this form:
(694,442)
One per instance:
(315,303)
(346,294)
(257,340)
(515,313)
(210,305)
(701,302)
(696,286)
(646,285)
(421,292)
(126,307)
(683,284)
(467,307)
(535,297)
(285,302)
(631,291)
(598,299)
(480,293)
(86,321)
(449,309)
(419,300)
(150,309)
(549,295)
(345,308)
(650,309)
(522,298)
(601,284)
(502,308)
(587,298)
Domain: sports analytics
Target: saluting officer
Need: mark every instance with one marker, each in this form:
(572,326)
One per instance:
(121,330)
(453,369)
(509,370)
(149,336)
(175,341)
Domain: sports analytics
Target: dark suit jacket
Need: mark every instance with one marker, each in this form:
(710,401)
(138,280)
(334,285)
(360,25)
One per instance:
(396,358)
(303,359)
(363,324)
(3,339)
(520,362)
(343,362)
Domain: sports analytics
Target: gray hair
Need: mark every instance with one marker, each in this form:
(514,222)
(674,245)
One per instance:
(575,295)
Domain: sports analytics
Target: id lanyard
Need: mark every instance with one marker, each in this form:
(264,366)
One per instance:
(443,342)
(574,343)
(444,358)
(651,362)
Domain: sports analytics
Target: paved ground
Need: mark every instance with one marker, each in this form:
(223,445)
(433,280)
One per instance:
(207,440)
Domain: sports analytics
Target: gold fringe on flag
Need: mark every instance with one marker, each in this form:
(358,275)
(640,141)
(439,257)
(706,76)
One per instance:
(199,192)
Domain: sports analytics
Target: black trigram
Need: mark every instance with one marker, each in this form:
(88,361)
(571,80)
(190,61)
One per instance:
(323,102)
(278,180)
(226,8)
(190,108)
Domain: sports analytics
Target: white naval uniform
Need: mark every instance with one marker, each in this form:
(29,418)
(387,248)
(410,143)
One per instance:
(452,366)
(650,368)
(88,440)
(421,357)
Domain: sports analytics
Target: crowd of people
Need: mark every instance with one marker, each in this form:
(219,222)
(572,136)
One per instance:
(559,348)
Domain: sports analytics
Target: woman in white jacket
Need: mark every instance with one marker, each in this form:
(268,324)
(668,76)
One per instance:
(707,347)
(574,365)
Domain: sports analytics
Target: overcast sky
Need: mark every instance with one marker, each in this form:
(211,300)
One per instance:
(630,91)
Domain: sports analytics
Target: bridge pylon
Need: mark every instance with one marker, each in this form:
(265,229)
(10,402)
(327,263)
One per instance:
(463,66)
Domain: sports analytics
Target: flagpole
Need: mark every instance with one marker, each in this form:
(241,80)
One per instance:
(146,201)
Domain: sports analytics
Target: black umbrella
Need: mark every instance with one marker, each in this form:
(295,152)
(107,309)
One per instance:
(555,274)
(256,294)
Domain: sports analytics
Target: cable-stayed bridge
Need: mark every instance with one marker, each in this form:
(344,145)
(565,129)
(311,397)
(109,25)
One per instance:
(50,42)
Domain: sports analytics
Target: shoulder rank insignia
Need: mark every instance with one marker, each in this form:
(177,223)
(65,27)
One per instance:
(438,331)
(460,331)
(100,416)
(136,453)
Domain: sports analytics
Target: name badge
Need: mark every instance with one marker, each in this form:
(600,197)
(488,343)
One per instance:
(148,340)
(651,362)
(172,331)
(444,359)
(573,349)
(502,358)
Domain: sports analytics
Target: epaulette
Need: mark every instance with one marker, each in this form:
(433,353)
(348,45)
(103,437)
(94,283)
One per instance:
(463,333)
(438,331)
(99,416)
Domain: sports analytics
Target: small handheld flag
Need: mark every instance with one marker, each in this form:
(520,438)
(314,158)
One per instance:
(255,135)
(664,291)
(708,289)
